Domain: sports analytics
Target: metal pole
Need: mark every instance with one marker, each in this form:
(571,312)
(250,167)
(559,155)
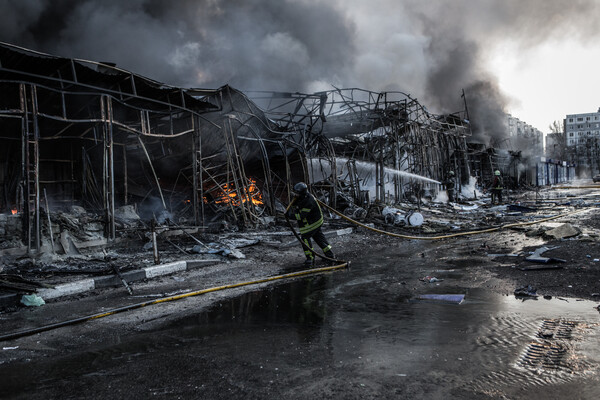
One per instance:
(154,243)
(49,221)
(195,173)
(201,183)
(36,167)
(125,178)
(111,171)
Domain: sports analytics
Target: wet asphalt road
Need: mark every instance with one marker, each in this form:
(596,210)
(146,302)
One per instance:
(355,334)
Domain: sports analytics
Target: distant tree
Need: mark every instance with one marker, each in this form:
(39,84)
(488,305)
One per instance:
(558,148)
(557,127)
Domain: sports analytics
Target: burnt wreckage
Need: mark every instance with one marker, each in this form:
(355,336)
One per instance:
(81,134)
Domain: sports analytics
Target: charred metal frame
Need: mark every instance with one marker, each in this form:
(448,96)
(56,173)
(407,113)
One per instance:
(95,135)
(392,130)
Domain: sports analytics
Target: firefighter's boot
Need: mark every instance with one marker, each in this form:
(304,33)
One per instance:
(329,254)
(309,263)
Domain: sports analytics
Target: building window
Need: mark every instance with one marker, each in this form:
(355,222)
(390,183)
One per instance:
(580,119)
(587,118)
(571,119)
(571,134)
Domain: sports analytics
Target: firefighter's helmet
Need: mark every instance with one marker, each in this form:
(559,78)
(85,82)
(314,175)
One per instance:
(300,189)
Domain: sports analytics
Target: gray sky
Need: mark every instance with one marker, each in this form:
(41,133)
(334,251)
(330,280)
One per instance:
(534,58)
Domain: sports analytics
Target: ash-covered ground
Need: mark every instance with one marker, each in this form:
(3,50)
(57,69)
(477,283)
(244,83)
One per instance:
(352,333)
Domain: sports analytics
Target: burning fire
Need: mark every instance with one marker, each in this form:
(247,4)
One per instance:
(230,195)
(14,211)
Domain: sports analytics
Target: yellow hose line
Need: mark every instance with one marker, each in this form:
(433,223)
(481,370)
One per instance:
(231,286)
(451,235)
(575,187)
(74,321)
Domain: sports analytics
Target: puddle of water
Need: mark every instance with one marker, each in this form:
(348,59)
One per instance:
(344,330)
(384,334)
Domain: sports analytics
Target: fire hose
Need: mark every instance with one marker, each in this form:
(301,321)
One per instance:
(497,228)
(32,331)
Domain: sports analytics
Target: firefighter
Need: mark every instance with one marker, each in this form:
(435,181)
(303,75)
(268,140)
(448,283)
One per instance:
(497,187)
(307,212)
(449,182)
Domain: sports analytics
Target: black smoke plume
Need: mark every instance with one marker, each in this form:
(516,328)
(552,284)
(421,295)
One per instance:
(431,49)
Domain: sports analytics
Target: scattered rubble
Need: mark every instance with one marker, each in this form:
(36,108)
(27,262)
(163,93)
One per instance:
(536,256)
(563,231)
(526,292)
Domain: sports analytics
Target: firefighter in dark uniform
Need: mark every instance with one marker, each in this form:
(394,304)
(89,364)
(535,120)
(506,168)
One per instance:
(497,186)
(450,183)
(307,212)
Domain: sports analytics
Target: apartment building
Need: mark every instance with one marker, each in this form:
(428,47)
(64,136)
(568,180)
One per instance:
(525,135)
(582,135)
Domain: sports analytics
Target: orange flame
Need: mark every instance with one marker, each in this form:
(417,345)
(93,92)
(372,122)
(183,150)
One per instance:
(14,211)
(230,195)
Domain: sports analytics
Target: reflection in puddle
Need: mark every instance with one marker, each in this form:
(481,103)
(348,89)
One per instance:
(487,342)
(343,334)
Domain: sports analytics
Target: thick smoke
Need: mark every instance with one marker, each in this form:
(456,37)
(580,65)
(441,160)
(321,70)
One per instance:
(431,49)
(249,44)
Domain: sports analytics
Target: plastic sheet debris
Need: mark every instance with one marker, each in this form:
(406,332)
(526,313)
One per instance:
(10,348)
(430,279)
(444,298)
(224,250)
(537,258)
(526,291)
(32,300)
(240,243)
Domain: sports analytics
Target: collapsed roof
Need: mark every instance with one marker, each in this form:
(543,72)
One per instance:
(86,133)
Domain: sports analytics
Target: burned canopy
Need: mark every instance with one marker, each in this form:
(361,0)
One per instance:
(82,133)
(89,134)
(365,143)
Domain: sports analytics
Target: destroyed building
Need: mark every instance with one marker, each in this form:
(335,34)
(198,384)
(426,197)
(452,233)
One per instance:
(84,135)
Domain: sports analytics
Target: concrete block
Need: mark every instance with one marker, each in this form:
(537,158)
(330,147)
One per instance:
(563,231)
(165,269)
(67,289)
(114,280)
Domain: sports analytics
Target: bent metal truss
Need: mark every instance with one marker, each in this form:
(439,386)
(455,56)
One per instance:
(83,133)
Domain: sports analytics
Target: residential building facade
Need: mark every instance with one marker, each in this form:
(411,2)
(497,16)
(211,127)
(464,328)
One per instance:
(582,135)
(525,136)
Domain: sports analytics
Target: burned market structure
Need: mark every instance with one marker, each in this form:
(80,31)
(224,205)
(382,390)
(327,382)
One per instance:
(81,136)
